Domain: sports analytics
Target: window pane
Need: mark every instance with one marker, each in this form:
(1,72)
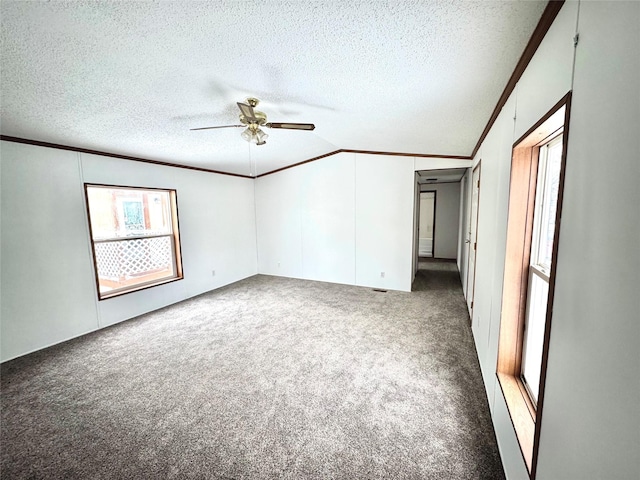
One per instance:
(549,190)
(120,212)
(534,333)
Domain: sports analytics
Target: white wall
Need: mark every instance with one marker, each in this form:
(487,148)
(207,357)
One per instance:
(306,216)
(306,221)
(342,219)
(591,421)
(48,287)
(447,218)
(384,221)
(430,163)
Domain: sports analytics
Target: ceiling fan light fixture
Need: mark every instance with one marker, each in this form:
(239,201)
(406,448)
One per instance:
(247,134)
(254,134)
(261,137)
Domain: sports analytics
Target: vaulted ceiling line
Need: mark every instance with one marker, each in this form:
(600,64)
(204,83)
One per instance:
(57,146)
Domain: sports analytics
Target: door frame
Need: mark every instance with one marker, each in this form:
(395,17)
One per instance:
(433,226)
(474,241)
(462,244)
(416,227)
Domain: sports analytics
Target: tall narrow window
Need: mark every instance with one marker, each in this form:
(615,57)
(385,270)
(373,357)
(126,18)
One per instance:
(544,222)
(135,237)
(535,197)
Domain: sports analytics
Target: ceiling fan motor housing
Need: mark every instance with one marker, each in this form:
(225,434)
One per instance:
(260,118)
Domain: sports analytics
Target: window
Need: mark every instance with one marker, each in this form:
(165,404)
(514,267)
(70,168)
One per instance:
(535,202)
(135,238)
(544,222)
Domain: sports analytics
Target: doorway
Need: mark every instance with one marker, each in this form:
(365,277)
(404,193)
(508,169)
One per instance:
(472,238)
(427,224)
(437,191)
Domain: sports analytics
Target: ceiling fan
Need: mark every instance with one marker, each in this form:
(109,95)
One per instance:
(253,120)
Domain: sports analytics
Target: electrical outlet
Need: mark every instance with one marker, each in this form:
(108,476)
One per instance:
(213,273)
(278,264)
(381,274)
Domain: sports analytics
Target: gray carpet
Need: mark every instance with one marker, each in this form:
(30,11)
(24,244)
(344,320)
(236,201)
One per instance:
(266,378)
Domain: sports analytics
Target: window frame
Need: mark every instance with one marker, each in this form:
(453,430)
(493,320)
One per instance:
(524,414)
(175,243)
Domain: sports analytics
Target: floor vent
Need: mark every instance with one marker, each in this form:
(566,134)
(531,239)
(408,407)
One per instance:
(379,290)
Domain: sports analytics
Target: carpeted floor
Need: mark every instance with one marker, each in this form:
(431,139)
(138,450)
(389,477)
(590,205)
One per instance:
(266,378)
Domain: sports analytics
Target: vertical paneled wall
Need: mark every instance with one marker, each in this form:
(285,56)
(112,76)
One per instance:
(48,287)
(384,221)
(347,218)
(306,221)
(344,219)
(590,418)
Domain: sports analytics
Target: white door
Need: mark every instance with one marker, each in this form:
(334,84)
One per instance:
(472,238)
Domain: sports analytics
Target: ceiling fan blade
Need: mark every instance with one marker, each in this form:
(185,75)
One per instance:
(247,111)
(221,126)
(292,126)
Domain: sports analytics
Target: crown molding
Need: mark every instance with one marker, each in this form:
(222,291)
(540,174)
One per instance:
(58,146)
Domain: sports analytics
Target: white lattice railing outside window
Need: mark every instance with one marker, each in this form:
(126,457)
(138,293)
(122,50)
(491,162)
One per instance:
(126,258)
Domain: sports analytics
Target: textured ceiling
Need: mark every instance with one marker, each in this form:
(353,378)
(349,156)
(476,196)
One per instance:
(133,77)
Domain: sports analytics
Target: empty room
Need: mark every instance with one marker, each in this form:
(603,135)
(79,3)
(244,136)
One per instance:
(320,240)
